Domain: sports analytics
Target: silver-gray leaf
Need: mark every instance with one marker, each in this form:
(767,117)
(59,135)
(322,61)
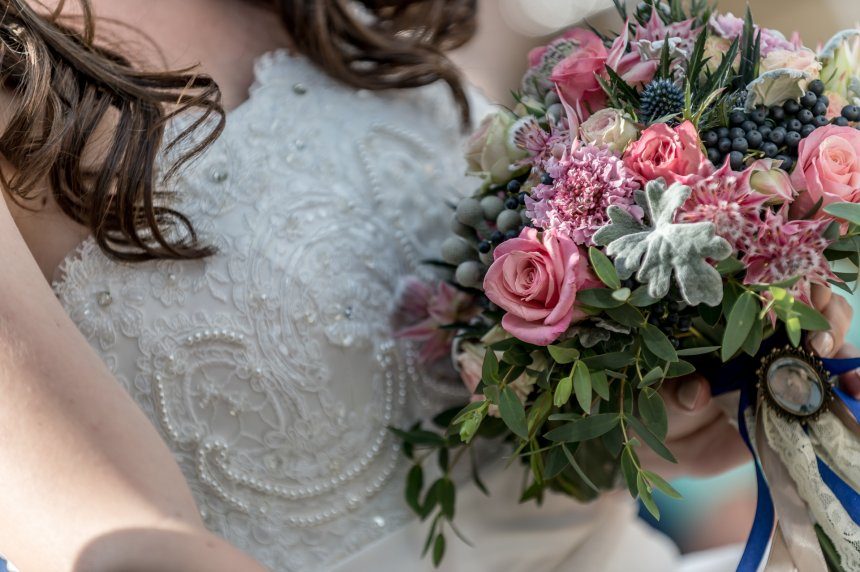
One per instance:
(654,253)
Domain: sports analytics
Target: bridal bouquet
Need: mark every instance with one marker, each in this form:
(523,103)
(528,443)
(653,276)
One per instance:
(659,202)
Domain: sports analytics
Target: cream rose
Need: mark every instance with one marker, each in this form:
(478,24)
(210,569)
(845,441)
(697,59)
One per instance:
(490,152)
(803,60)
(609,128)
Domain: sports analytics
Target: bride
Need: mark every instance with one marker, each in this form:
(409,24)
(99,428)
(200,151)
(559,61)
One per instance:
(197,367)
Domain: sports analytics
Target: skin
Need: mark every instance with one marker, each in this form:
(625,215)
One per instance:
(69,429)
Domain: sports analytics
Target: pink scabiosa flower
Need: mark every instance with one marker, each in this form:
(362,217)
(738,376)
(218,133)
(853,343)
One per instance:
(726,199)
(422,311)
(586,180)
(785,249)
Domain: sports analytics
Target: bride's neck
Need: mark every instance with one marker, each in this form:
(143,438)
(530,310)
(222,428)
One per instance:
(223,36)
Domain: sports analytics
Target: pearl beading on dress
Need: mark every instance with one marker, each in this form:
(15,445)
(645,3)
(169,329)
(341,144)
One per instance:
(270,368)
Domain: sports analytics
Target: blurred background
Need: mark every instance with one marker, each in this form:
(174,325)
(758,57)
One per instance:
(715,511)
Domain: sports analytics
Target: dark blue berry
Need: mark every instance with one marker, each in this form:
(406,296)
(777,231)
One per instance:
(737,117)
(820,121)
(484,247)
(765,130)
(724,145)
(792,139)
(714,156)
(823,99)
(793,125)
(749,125)
(512,203)
(660,98)
(759,115)
(546,179)
(791,107)
(511,234)
(816,86)
(736,160)
(514,186)
(673,318)
(736,132)
(787,162)
(710,138)
(723,132)
(522,198)
(754,139)
(805,116)
(808,129)
(808,100)
(777,113)
(840,121)
(770,149)
(740,144)
(778,135)
(497,237)
(851,113)
(820,108)
(685,323)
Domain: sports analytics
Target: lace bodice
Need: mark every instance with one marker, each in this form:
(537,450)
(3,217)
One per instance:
(270,368)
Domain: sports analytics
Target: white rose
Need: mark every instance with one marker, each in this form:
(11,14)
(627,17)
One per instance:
(490,152)
(609,128)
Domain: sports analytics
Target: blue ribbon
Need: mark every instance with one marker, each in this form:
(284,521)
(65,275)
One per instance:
(739,375)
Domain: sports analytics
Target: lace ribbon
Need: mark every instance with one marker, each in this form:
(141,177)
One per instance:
(787,459)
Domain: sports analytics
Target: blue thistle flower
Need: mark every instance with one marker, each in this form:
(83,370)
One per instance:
(660,98)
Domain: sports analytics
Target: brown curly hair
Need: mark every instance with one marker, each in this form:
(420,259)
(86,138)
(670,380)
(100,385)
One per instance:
(64,86)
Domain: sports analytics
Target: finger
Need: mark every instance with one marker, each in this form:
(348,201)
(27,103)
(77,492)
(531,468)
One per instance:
(838,313)
(686,395)
(850,381)
(821,296)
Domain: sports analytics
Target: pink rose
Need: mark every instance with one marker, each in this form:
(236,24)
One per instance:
(575,76)
(828,169)
(672,153)
(535,281)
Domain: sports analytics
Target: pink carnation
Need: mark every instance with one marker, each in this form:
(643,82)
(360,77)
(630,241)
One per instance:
(422,311)
(726,199)
(535,279)
(673,153)
(785,249)
(586,181)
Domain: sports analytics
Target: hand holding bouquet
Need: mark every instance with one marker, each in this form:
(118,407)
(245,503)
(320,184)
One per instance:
(660,203)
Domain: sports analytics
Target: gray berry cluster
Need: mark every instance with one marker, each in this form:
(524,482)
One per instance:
(479,225)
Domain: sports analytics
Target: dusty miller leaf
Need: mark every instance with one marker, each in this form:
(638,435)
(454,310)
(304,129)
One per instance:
(654,253)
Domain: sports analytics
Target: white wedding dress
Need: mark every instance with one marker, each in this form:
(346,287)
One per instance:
(270,369)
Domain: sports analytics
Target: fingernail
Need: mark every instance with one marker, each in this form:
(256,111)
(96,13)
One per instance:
(688,395)
(822,343)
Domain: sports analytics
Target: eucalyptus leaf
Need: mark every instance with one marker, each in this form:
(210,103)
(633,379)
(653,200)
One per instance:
(697,351)
(562,391)
(563,355)
(598,298)
(679,368)
(810,318)
(438,550)
(414,484)
(652,377)
(584,429)
(641,299)
(604,268)
(656,341)
(572,460)
(653,412)
(645,496)
(629,471)
(513,413)
(582,385)
(600,384)
(655,443)
(845,211)
(613,360)
(556,462)
(626,315)
(661,484)
(741,319)
(490,369)
(446,493)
